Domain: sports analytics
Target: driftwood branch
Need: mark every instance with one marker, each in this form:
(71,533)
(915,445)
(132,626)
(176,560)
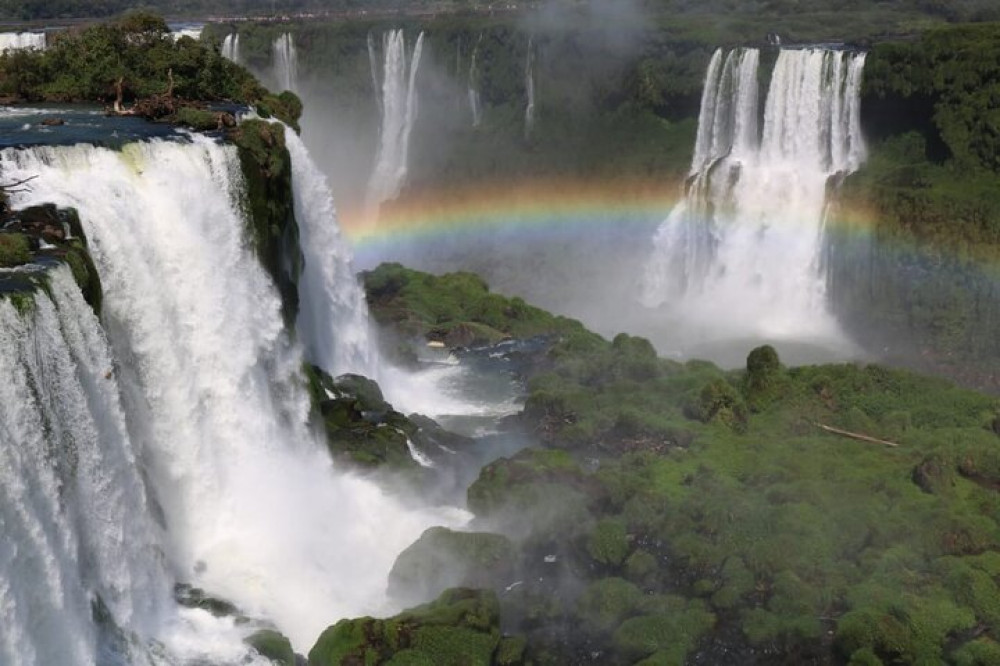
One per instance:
(17,185)
(856,435)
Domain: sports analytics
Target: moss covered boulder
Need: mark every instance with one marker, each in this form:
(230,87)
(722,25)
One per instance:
(443,558)
(460,628)
(273,645)
(363,429)
(45,233)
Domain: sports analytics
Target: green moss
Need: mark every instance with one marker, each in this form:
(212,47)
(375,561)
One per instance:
(442,558)
(673,633)
(286,107)
(980,652)
(272,645)
(460,628)
(606,602)
(511,651)
(14,250)
(197,119)
(608,543)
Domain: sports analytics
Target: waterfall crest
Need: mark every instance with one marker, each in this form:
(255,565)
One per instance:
(214,401)
(745,245)
(285,61)
(399,111)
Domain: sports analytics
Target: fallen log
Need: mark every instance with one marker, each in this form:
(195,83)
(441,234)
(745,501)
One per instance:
(856,435)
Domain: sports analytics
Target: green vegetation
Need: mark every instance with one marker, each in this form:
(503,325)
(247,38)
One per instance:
(21,242)
(456,309)
(442,558)
(14,250)
(267,174)
(460,628)
(273,645)
(923,274)
(135,60)
(694,510)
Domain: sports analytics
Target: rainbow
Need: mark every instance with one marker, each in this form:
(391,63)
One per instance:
(538,207)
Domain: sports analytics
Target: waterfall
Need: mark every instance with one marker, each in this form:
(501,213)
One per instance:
(475,104)
(285,61)
(529,90)
(16,41)
(399,111)
(231,48)
(252,508)
(333,316)
(373,66)
(744,247)
(75,519)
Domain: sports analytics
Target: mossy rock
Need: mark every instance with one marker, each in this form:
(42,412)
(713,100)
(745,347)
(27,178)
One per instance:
(670,635)
(15,250)
(606,603)
(460,628)
(608,543)
(535,492)
(272,645)
(442,558)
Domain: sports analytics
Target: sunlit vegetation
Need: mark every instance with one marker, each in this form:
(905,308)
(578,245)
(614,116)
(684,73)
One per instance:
(844,512)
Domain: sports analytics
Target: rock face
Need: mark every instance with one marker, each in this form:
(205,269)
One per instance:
(363,429)
(42,234)
(460,628)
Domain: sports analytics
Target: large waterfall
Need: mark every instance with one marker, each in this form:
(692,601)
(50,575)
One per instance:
(16,41)
(203,394)
(399,111)
(285,61)
(76,522)
(744,250)
(231,48)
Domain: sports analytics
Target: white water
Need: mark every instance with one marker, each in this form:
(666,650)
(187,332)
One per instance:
(16,41)
(333,316)
(285,61)
(475,103)
(231,48)
(194,32)
(742,254)
(529,90)
(399,111)
(254,511)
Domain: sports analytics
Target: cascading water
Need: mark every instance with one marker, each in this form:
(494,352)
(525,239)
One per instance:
(475,104)
(213,397)
(399,111)
(333,317)
(17,41)
(231,48)
(74,513)
(743,251)
(285,61)
(529,90)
